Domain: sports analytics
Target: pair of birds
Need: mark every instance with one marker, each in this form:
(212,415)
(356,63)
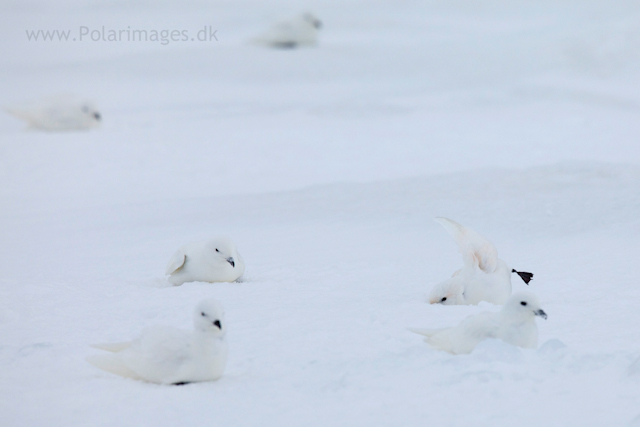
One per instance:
(167,355)
(483,277)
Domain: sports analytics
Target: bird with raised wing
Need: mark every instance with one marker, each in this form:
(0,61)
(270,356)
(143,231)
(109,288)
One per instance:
(483,277)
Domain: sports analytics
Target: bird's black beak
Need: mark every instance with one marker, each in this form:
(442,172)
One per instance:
(231,261)
(96,116)
(218,324)
(541,313)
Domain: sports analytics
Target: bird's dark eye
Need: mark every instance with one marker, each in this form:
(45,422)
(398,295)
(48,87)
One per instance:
(523,303)
(203,313)
(217,250)
(443,299)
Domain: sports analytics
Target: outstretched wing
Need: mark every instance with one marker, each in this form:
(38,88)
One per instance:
(476,250)
(176,262)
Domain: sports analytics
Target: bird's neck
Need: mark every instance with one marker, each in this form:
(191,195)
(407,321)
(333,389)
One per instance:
(515,320)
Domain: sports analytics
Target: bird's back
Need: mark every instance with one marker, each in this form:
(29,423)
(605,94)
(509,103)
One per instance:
(464,337)
(492,287)
(159,353)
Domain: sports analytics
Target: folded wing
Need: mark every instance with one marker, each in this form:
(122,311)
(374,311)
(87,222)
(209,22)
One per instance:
(464,337)
(176,262)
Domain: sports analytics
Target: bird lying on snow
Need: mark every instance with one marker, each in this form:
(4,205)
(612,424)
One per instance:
(167,355)
(60,113)
(515,324)
(484,276)
(214,260)
(296,32)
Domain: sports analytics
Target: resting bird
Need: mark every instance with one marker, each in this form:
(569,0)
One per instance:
(296,32)
(515,324)
(166,355)
(60,113)
(214,260)
(483,277)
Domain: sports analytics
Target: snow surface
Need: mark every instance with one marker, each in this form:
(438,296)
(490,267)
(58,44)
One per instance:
(326,167)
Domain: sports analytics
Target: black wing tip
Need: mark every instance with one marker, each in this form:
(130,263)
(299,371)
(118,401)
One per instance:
(526,277)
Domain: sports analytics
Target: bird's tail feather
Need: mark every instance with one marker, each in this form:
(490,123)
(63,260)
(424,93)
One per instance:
(23,115)
(112,364)
(113,347)
(425,331)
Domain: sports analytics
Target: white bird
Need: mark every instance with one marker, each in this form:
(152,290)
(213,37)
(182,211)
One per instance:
(515,324)
(60,113)
(298,31)
(214,260)
(167,355)
(483,277)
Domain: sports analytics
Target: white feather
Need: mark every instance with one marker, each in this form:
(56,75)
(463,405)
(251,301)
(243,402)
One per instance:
(113,364)
(176,262)
(476,250)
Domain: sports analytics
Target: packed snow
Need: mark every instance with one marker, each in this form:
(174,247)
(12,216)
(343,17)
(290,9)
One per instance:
(325,166)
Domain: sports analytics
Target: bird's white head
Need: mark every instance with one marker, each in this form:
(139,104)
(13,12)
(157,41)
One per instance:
(311,19)
(224,250)
(208,316)
(523,306)
(448,292)
(91,116)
